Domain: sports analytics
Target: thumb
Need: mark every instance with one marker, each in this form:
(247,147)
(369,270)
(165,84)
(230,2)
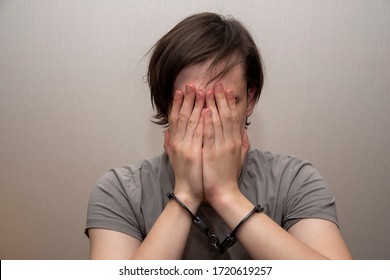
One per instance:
(167,143)
(245,145)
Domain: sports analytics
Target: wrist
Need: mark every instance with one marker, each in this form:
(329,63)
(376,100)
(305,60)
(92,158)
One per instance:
(224,196)
(189,200)
(232,207)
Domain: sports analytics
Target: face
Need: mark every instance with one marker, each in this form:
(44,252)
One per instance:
(200,75)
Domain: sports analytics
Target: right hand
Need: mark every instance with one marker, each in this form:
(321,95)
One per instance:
(183,143)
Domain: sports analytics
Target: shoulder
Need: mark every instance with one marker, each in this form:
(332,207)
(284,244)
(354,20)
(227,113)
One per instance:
(124,187)
(272,175)
(137,185)
(275,163)
(116,201)
(289,172)
(129,177)
(290,187)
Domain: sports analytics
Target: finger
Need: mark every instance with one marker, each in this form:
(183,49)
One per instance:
(235,120)
(175,111)
(225,115)
(195,115)
(186,110)
(245,144)
(216,122)
(198,134)
(208,129)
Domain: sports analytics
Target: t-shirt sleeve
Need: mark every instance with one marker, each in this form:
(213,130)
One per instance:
(308,196)
(114,203)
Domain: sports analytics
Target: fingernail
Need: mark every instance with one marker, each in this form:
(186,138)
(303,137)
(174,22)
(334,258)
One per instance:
(177,93)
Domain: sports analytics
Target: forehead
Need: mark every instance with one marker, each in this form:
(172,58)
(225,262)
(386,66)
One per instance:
(202,77)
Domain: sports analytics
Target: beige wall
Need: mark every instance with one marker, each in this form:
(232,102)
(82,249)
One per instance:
(74,103)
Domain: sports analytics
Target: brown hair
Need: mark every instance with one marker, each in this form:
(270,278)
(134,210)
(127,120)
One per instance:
(194,40)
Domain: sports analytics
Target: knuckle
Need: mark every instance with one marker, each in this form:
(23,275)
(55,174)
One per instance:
(175,147)
(197,134)
(231,147)
(209,135)
(227,116)
(191,123)
(183,117)
(220,95)
(173,119)
(235,118)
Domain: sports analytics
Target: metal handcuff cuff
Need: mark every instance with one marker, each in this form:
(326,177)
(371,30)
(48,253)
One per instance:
(213,240)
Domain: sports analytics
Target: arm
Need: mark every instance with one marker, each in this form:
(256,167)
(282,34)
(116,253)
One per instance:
(264,239)
(225,145)
(164,241)
(183,144)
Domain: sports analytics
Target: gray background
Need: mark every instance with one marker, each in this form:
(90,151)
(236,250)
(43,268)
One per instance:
(74,103)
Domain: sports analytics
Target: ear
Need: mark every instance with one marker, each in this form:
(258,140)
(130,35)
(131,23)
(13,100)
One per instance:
(251,101)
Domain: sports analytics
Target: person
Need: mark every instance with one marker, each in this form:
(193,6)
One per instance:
(205,77)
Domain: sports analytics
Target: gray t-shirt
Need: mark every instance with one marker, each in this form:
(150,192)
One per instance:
(131,198)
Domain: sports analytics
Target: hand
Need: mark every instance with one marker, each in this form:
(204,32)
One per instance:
(183,143)
(225,144)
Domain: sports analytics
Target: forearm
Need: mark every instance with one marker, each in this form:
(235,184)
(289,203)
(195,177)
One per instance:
(260,235)
(166,240)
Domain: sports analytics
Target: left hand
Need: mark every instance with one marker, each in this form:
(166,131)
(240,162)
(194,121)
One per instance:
(225,144)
